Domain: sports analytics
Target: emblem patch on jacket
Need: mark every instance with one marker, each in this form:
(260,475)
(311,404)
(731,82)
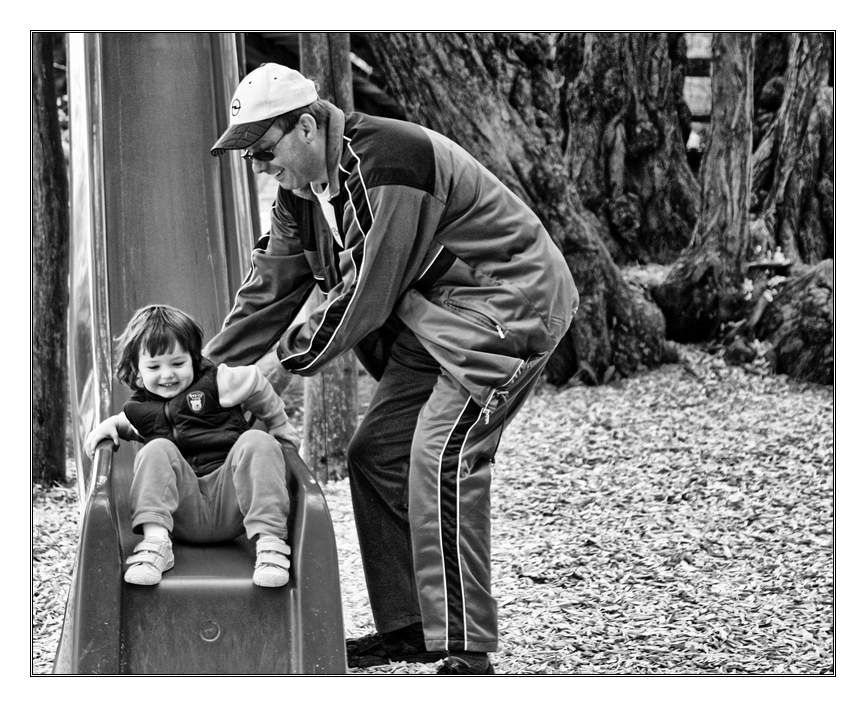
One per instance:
(195,400)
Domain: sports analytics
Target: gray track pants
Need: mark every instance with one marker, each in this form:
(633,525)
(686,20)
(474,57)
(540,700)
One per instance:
(419,467)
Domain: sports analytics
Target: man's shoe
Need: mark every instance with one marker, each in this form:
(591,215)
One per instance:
(466,664)
(403,644)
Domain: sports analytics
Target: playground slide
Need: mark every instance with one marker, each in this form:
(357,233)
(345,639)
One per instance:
(156,219)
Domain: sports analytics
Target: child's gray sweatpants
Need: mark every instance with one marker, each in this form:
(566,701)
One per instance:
(248,492)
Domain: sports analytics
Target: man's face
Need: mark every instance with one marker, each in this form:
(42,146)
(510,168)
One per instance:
(299,155)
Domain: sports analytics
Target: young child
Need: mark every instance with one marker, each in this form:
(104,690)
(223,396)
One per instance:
(202,474)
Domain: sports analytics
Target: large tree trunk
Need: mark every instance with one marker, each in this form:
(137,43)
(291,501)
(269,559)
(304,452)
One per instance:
(793,199)
(50,262)
(330,396)
(625,140)
(798,324)
(793,165)
(704,288)
(497,95)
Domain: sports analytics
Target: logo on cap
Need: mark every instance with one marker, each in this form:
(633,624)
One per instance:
(236,106)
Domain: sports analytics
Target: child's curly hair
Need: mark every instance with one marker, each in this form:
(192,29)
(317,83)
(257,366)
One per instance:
(155,329)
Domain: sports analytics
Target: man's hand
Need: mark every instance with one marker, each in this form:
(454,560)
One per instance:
(273,370)
(286,433)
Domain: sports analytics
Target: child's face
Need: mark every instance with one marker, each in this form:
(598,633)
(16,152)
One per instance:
(167,374)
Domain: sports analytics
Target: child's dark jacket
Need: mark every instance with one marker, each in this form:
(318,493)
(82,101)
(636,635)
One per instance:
(197,422)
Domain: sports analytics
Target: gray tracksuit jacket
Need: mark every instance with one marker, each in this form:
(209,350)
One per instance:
(414,232)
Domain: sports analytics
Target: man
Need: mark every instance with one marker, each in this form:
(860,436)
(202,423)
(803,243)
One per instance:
(452,295)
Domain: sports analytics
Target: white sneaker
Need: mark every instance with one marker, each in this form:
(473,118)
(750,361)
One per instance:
(272,562)
(149,559)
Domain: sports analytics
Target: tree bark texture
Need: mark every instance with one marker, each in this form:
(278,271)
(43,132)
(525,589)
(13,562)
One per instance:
(798,324)
(793,165)
(49,293)
(704,287)
(330,396)
(625,134)
(771,61)
(498,96)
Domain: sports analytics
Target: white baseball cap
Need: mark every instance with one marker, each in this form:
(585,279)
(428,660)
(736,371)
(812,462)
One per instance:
(260,97)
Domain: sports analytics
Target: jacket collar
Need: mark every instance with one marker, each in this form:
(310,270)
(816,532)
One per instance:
(333,150)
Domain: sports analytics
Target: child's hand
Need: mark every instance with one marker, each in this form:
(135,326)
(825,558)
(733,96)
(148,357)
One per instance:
(107,429)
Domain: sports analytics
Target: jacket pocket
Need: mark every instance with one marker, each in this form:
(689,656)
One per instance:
(476,316)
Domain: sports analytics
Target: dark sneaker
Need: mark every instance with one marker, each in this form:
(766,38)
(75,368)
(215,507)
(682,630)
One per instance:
(466,664)
(404,644)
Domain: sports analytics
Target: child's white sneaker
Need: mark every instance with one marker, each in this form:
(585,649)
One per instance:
(272,562)
(150,558)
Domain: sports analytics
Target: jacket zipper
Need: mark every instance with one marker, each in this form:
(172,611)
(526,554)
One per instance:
(491,404)
(168,419)
(479,317)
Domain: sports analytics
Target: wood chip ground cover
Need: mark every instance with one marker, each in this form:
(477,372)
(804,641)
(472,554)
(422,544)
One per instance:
(678,522)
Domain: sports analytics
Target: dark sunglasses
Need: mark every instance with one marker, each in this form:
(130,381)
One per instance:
(263,155)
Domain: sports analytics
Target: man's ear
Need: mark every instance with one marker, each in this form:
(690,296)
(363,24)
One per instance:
(308,126)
